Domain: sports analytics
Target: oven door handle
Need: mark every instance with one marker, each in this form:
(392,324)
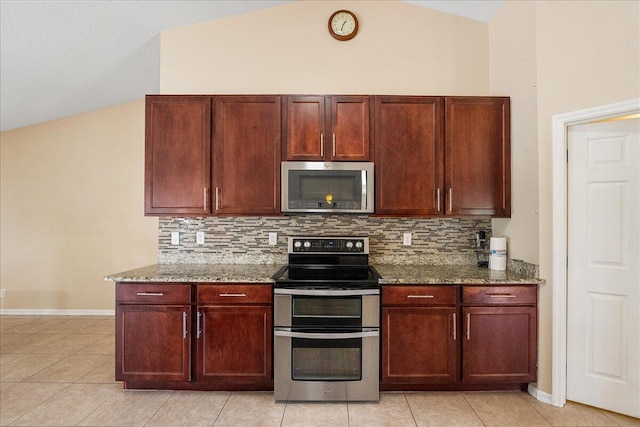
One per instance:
(366,333)
(326,292)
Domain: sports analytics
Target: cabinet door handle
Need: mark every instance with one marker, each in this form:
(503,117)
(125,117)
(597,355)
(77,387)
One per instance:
(333,145)
(468,326)
(455,327)
(233,295)
(204,197)
(438,197)
(420,296)
(450,200)
(184,324)
(322,145)
(501,296)
(150,294)
(198,331)
(217,198)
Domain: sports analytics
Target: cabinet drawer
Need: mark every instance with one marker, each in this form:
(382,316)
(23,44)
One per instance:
(153,293)
(234,294)
(419,295)
(500,295)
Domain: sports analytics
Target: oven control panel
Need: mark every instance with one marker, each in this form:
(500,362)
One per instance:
(356,245)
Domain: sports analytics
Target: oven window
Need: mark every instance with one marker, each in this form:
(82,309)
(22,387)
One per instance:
(313,306)
(326,359)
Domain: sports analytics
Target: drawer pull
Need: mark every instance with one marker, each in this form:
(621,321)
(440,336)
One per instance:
(501,296)
(150,294)
(233,295)
(420,296)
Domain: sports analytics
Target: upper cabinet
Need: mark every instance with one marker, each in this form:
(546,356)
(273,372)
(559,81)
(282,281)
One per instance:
(409,155)
(331,128)
(246,159)
(177,154)
(434,156)
(477,156)
(232,170)
(442,156)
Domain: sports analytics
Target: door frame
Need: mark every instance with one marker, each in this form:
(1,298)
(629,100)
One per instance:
(560,125)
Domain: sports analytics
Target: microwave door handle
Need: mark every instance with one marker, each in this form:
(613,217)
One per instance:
(364,189)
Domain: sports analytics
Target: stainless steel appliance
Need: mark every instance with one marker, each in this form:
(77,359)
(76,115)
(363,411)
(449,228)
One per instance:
(327,322)
(345,187)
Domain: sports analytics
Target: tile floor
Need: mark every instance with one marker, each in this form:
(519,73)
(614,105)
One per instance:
(59,370)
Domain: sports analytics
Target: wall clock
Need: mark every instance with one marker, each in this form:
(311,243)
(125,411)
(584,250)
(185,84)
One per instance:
(343,25)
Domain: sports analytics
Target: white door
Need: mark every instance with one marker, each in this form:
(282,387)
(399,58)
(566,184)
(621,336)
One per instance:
(603,299)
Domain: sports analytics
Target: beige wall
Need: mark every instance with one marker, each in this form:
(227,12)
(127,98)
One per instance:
(512,45)
(400,49)
(586,54)
(72,209)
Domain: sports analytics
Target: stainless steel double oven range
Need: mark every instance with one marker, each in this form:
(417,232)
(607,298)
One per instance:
(327,322)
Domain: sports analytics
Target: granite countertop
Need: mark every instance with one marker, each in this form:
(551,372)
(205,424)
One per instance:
(221,273)
(392,274)
(449,275)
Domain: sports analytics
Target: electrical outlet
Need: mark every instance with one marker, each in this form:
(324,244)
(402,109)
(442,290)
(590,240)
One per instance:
(200,237)
(406,239)
(3,293)
(273,239)
(175,238)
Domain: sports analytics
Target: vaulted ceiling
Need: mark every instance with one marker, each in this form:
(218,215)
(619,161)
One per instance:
(60,58)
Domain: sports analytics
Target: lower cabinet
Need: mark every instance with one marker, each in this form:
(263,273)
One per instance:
(153,343)
(194,336)
(448,337)
(234,328)
(500,342)
(419,336)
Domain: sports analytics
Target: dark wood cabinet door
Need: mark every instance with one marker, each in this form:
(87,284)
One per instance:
(234,345)
(499,344)
(419,345)
(304,128)
(153,343)
(408,156)
(478,161)
(328,128)
(177,154)
(246,163)
(349,128)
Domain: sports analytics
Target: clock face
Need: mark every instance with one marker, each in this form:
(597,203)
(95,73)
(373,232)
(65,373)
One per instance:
(343,25)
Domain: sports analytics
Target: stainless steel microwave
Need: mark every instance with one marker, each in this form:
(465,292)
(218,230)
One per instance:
(327,187)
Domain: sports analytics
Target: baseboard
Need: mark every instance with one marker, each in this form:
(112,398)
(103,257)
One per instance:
(540,395)
(47,312)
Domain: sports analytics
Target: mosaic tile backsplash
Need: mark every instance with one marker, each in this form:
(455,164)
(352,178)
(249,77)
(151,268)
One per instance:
(245,240)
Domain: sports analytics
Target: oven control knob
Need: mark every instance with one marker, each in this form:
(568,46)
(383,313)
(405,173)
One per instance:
(349,245)
(297,244)
(359,245)
(307,244)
